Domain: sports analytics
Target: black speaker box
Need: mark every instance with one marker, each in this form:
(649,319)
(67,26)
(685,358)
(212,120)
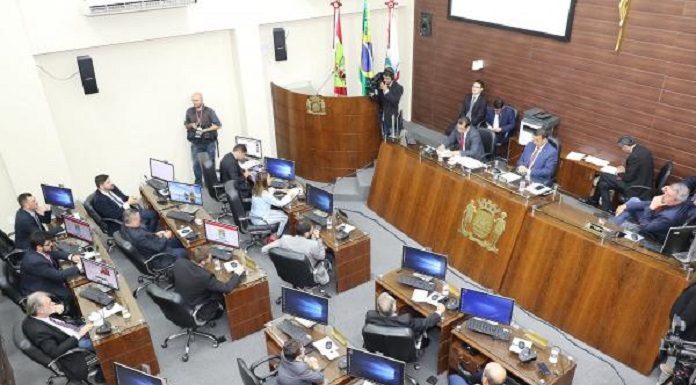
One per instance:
(426,24)
(281,54)
(89,80)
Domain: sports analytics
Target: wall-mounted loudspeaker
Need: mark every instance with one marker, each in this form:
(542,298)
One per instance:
(426,24)
(89,80)
(281,54)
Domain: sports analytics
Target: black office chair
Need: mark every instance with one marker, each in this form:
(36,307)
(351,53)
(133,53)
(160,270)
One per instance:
(504,140)
(54,365)
(156,269)
(293,268)
(242,219)
(216,190)
(556,143)
(647,192)
(9,283)
(488,141)
(248,374)
(108,226)
(173,308)
(398,343)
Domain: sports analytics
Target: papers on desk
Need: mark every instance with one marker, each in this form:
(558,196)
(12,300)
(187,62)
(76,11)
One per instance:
(575,155)
(234,266)
(465,162)
(596,161)
(609,170)
(515,345)
(251,163)
(330,354)
(346,228)
(419,296)
(105,313)
(537,189)
(509,177)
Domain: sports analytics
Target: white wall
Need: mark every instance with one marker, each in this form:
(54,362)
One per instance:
(8,196)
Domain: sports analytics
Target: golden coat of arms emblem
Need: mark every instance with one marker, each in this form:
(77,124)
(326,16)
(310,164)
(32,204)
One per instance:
(484,223)
(316,105)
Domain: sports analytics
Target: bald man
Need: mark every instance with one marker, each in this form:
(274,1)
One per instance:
(386,315)
(493,374)
(201,125)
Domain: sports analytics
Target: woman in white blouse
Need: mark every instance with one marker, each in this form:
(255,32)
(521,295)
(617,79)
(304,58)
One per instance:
(262,201)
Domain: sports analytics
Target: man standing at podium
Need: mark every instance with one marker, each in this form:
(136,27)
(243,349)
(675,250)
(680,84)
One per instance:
(388,96)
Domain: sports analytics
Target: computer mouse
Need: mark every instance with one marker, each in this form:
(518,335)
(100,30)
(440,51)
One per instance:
(234,265)
(109,306)
(633,237)
(329,344)
(343,363)
(434,297)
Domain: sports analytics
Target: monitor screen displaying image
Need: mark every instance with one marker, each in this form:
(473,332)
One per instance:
(58,196)
(424,262)
(253,146)
(77,228)
(221,233)
(100,273)
(185,193)
(128,376)
(161,170)
(304,305)
(280,168)
(373,367)
(487,306)
(320,199)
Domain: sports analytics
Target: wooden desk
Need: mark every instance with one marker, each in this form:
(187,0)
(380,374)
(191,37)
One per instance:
(402,293)
(275,339)
(491,349)
(150,197)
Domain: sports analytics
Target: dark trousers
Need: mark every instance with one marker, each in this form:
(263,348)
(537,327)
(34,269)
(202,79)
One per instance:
(197,148)
(150,220)
(606,184)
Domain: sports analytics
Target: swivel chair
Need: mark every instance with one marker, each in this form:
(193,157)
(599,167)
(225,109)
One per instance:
(216,190)
(155,269)
(398,343)
(504,139)
(293,268)
(248,374)
(173,308)
(54,365)
(488,138)
(108,226)
(647,192)
(10,261)
(242,219)
(557,144)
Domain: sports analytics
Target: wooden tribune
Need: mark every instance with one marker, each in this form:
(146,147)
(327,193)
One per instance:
(325,147)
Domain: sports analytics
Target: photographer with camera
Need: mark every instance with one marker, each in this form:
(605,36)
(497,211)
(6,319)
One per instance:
(387,92)
(680,342)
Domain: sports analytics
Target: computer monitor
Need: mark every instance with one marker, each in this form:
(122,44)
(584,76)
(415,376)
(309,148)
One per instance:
(424,262)
(77,228)
(253,146)
(488,306)
(376,368)
(320,199)
(58,196)
(129,376)
(101,273)
(221,233)
(304,305)
(162,170)
(280,168)
(185,193)
(678,240)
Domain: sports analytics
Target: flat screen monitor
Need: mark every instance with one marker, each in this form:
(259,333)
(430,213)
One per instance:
(304,305)
(253,146)
(320,199)
(185,193)
(58,196)
(424,262)
(130,376)
(487,306)
(162,170)
(376,368)
(280,168)
(100,273)
(678,240)
(78,228)
(221,233)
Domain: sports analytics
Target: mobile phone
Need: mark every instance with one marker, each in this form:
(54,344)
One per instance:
(543,369)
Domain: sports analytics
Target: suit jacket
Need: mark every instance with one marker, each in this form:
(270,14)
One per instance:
(639,167)
(506,119)
(656,223)
(25,225)
(107,208)
(231,170)
(389,103)
(38,274)
(544,167)
(478,113)
(53,342)
(197,285)
(685,307)
(473,144)
(147,243)
(419,325)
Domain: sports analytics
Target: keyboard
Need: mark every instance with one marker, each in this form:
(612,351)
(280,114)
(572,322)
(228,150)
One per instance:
(416,282)
(96,296)
(221,254)
(295,332)
(314,217)
(157,184)
(484,327)
(279,183)
(68,247)
(180,216)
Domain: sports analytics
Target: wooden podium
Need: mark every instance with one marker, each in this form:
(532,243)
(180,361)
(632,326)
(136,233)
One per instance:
(325,146)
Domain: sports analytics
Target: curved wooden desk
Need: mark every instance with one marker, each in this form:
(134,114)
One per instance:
(325,147)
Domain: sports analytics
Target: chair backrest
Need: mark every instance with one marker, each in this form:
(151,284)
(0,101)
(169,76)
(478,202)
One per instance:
(396,342)
(9,282)
(293,267)
(22,343)
(663,175)
(131,252)
(210,177)
(89,207)
(172,306)
(488,141)
(556,143)
(6,244)
(237,209)
(248,376)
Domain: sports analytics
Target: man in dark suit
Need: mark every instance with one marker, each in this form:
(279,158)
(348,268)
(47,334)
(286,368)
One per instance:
(386,315)
(473,107)
(464,141)
(39,270)
(54,336)
(388,96)
(638,171)
(231,171)
(500,119)
(110,202)
(539,159)
(492,374)
(29,218)
(149,243)
(199,288)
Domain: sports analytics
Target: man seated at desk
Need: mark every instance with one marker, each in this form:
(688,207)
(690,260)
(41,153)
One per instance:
(306,241)
(539,159)
(199,288)
(148,243)
(464,141)
(29,218)
(386,315)
(493,374)
(40,271)
(655,217)
(110,202)
(501,120)
(296,368)
(55,337)
(231,171)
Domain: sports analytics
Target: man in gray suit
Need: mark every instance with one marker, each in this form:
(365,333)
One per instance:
(464,141)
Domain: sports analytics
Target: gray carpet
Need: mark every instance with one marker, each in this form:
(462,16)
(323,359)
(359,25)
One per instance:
(218,366)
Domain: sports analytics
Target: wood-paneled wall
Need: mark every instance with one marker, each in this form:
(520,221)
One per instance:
(647,90)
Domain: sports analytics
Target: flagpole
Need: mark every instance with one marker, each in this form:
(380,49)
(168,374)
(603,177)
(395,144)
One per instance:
(390,5)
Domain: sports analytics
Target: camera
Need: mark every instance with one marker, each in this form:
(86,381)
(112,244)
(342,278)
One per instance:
(684,352)
(373,86)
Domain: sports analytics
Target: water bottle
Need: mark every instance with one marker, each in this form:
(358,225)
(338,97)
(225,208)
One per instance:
(216,262)
(329,223)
